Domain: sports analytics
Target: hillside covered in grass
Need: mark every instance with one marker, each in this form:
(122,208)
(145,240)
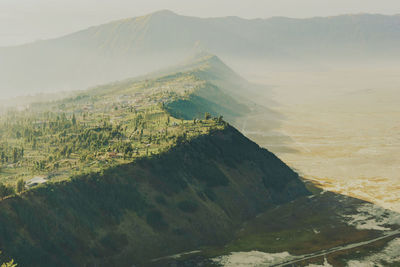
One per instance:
(116,123)
(134,170)
(195,194)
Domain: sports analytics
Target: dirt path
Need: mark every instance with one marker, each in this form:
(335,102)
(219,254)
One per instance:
(336,249)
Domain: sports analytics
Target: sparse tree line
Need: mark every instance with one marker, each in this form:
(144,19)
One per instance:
(7,190)
(9,154)
(45,142)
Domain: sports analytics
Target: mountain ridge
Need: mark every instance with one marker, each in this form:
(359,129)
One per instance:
(167,12)
(166,199)
(136,46)
(149,183)
(126,180)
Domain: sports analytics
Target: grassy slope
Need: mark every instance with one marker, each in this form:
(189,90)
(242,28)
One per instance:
(195,194)
(223,92)
(127,107)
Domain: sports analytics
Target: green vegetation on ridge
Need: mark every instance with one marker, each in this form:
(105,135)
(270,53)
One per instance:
(196,193)
(126,181)
(108,125)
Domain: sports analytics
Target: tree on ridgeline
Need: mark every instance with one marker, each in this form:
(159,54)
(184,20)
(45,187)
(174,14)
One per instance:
(10,263)
(73,120)
(20,185)
(5,190)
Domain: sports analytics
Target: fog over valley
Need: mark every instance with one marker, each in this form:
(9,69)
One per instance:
(136,46)
(339,127)
(217,134)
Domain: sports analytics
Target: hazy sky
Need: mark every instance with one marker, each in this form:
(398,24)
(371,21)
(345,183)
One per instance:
(29,20)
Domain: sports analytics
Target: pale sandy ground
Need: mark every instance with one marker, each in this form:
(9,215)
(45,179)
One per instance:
(338,127)
(389,255)
(366,217)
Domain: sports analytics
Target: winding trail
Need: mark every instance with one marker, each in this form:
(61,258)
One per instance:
(336,249)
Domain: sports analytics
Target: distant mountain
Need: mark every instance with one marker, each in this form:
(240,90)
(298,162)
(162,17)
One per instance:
(135,46)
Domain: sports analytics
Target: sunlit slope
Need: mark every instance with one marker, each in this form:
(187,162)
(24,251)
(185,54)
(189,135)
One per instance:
(116,123)
(224,93)
(202,84)
(126,181)
(197,193)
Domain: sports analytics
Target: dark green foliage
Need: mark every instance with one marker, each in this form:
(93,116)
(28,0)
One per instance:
(6,190)
(73,120)
(188,206)
(173,170)
(201,195)
(88,202)
(20,185)
(161,200)
(113,242)
(210,194)
(211,175)
(208,180)
(208,100)
(10,154)
(58,224)
(194,107)
(167,177)
(156,220)
(7,262)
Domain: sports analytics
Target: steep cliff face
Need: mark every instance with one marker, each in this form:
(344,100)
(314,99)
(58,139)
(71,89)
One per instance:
(195,194)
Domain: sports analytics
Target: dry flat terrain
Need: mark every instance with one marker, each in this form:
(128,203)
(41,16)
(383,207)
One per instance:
(338,127)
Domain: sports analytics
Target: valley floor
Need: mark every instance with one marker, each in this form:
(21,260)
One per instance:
(340,128)
(325,229)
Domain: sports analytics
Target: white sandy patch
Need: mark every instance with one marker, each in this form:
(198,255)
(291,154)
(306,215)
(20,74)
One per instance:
(177,256)
(373,217)
(326,264)
(389,255)
(253,259)
(316,231)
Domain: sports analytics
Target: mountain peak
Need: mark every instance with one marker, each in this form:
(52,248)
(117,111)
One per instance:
(163,13)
